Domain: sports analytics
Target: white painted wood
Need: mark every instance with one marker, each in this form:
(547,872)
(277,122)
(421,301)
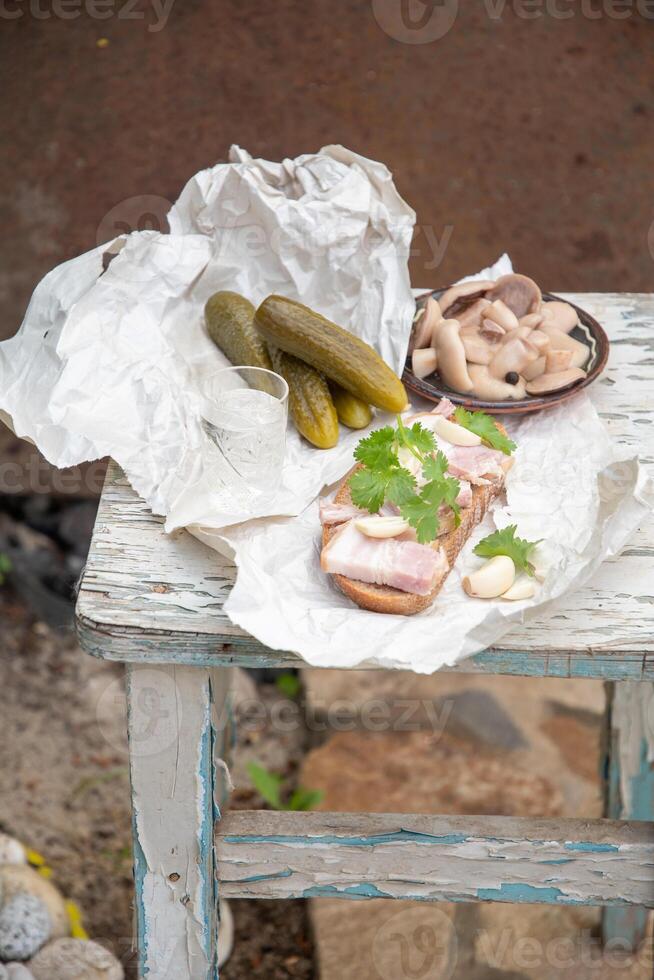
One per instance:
(174,729)
(559,862)
(630,787)
(148,597)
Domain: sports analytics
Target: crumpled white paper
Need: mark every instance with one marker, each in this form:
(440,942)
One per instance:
(109,366)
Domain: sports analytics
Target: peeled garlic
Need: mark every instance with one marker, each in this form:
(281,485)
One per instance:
(458,435)
(382,527)
(524,588)
(492,580)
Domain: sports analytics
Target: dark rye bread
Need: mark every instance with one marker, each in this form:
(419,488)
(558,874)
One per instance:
(383,598)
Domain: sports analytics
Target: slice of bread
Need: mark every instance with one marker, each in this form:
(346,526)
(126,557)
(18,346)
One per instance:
(383,598)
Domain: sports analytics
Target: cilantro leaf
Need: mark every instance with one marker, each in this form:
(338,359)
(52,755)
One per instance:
(378,449)
(485,427)
(368,488)
(505,542)
(401,485)
(421,438)
(422,516)
(435,467)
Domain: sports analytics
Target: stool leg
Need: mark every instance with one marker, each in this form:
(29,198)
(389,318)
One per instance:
(174,729)
(629,785)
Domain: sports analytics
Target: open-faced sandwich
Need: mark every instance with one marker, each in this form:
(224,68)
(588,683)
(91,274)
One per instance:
(400,518)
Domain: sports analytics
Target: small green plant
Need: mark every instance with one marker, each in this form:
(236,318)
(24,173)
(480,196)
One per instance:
(269,786)
(289,685)
(5,568)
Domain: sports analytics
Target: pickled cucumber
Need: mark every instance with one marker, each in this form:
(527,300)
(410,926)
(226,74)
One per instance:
(309,400)
(330,349)
(230,324)
(351,411)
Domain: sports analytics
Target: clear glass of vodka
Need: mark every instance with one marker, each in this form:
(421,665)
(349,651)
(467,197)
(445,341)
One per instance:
(244,414)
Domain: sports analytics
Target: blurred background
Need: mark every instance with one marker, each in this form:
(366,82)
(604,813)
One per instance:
(521,126)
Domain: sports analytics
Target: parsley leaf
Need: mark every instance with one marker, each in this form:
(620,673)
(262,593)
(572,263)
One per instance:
(485,427)
(505,542)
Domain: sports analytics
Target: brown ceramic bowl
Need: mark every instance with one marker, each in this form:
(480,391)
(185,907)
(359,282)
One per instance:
(589,332)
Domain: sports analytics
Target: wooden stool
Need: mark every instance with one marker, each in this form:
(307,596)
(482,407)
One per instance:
(156,603)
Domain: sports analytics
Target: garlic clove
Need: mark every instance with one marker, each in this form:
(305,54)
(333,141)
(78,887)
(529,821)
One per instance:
(491,580)
(456,434)
(523,588)
(377,526)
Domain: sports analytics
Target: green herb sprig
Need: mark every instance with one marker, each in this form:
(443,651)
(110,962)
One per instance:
(381,477)
(506,542)
(486,428)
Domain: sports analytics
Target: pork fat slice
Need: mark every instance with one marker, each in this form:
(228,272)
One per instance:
(404,565)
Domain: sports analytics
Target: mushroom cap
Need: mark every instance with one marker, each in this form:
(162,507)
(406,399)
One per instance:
(25,925)
(520,293)
(492,389)
(560,315)
(500,313)
(532,320)
(554,382)
(461,289)
(75,959)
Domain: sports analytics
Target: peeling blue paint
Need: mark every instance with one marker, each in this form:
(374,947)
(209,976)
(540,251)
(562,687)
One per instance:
(519,892)
(559,861)
(327,839)
(353,891)
(587,847)
(271,877)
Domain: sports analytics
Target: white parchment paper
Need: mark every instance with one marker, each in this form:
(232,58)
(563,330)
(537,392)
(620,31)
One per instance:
(109,365)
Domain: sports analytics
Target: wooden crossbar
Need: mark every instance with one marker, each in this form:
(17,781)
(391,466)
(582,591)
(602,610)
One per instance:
(261,854)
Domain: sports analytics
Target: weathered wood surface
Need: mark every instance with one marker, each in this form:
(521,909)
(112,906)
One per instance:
(630,787)
(559,862)
(147,597)
(178,729)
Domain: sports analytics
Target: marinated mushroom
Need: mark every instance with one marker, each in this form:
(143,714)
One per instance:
(462,289)
(491,331)
(535,369)
(558,360)
(512,357)
(560,315)
(424,326)
(532,320)
(500,313)
(451,356)
(472,315)
(562,341)
(519,293)
(424,361)
(492,389)
(554,382)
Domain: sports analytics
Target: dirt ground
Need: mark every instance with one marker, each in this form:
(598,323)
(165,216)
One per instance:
(64,791)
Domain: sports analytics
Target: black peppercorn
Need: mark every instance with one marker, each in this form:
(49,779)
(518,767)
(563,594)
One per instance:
(512,378)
